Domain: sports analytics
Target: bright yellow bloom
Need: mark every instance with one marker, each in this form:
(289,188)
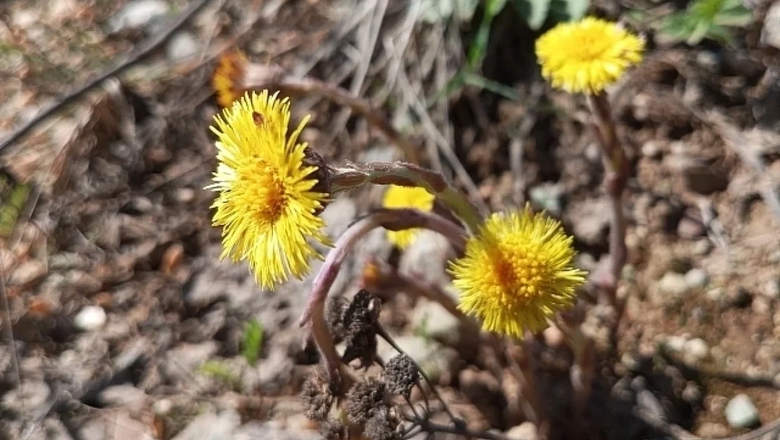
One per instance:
(266,203)
(517,272)
(406,197)
(588,55)
(227,77)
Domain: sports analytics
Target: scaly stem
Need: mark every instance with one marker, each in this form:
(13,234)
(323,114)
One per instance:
(392,219)
(615,177)
(406,174)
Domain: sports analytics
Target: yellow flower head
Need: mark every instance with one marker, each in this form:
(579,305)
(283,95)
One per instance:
(266,202)
(588,55)
(228,76)
(406,197)
(517,272)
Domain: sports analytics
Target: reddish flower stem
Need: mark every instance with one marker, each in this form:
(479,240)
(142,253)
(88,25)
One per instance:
(616,172)
(392,219)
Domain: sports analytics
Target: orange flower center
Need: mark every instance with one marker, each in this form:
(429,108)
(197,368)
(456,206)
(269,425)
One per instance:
(265,192)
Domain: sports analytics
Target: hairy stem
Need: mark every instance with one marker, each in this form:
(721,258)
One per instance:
(393,219)
(406,174)
(616,169)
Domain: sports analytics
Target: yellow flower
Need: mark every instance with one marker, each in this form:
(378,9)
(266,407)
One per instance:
(517,272)
(406,197)
(588,55)
(227,77)
(266,202)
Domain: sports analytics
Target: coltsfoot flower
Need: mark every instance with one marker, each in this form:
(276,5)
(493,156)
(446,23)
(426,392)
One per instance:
(267,204)
(517,272)
(227,77)
(406,197)
(588,55)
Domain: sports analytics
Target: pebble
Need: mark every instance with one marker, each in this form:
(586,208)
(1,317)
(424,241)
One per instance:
(211,426)
(90,318)
(426,258)
(674,284)
(771,289)
(524,431)
(716,294)
(675,343)
(183,45)
(140,13)
(652,149)
(695,350)
(712,430)
(696,279)
(741,412)
(702,247)
(770,33)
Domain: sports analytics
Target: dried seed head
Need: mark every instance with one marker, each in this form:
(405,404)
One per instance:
(333,430)
(360,320)
(316,395)
(334,314)
(401,374)
(381,426)
(364,399)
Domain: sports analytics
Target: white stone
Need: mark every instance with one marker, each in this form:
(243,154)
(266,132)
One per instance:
(90,318)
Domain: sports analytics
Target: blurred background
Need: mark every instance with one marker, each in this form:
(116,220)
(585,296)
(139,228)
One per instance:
(120,321)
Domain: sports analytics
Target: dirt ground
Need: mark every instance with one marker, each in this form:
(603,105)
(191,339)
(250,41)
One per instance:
(117,222)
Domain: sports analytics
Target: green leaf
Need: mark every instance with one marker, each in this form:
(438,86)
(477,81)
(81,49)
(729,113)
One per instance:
(735,17)
(496,87)
(699,32)
(568,10)
(252,342)
(479,46)
(533,12)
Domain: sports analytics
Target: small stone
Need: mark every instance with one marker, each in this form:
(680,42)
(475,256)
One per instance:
(675,343)
(524,431)
(690,228)
(696,278)
(652,149)
(702,247)
(211,426)
(770,33)
(141,205)
(716,294)
(695,350)
(90,318)
(185,195)
(712,430)
(183,45)
(741,412)
(771,289)
(673,284)
(692,393)
(553,337)
(709,60)
(146,13)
